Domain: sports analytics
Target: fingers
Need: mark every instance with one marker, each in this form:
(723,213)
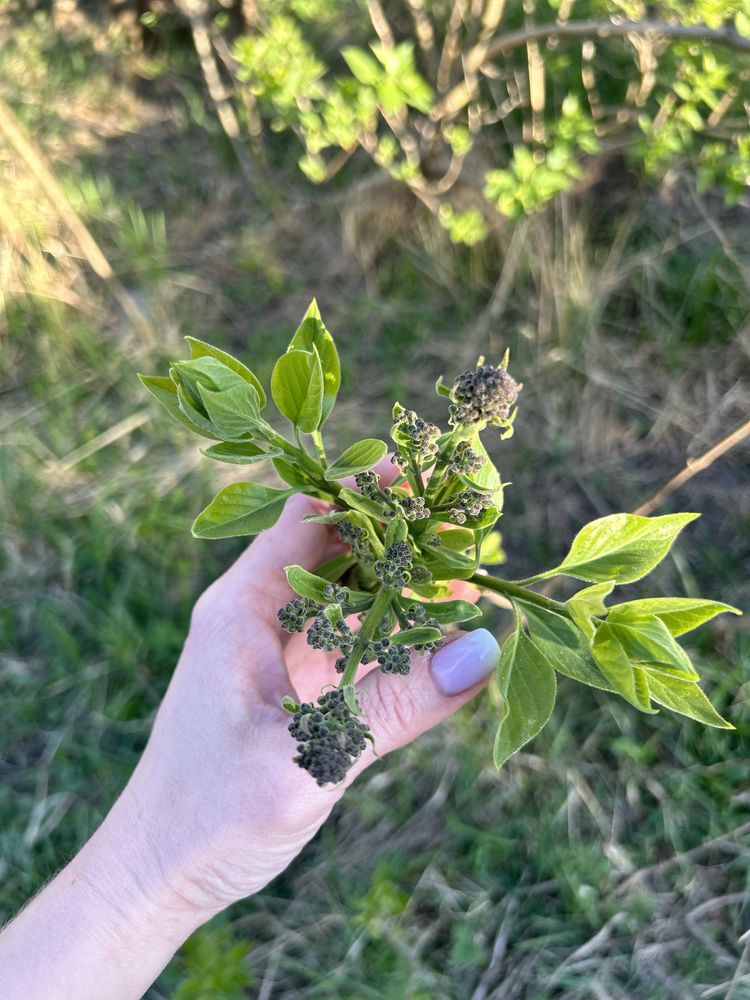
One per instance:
(399,709)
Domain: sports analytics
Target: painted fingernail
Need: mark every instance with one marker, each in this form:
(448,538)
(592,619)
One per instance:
(465,661)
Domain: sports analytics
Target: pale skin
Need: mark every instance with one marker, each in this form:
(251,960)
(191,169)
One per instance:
(215,807)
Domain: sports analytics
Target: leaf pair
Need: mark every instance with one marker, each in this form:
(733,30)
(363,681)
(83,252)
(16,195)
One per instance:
(305,381)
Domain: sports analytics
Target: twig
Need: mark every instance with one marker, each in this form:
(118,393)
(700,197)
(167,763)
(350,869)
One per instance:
(457,98)
(195,12)
(52,189)
(693,466)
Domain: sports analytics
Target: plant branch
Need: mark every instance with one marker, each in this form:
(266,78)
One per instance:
(514,592)
(370,623)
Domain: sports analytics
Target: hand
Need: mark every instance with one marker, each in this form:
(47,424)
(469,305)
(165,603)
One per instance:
(216,807)
(217,783)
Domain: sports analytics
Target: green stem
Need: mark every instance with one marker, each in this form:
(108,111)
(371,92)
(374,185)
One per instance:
(369,625)
(514,592)
(318,442)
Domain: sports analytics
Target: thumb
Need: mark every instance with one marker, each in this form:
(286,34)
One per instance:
(398,709)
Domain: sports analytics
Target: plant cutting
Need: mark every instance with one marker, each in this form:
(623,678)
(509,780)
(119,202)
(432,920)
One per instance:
(409,540)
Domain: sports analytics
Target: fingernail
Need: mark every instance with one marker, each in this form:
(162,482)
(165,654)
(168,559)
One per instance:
(465,661)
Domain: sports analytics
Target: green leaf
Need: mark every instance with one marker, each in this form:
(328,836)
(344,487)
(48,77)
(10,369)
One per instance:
(297,388)
(239,452)
(418,635)
(164,390)
(445,612)
(589,602)
(528,685)
(679,614)
(362,65)
(199,349)
(353,499)
(447,565)
(195,415)
(291,473)
(620,547)
(306,584)
(492,553)
(646,639)
(565,646)
(312,335)
(626,677)
(241,509)
(432,591)
(686,698)
(361,457)
(234,412)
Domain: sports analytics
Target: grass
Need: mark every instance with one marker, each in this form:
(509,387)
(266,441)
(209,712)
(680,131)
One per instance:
(608,860)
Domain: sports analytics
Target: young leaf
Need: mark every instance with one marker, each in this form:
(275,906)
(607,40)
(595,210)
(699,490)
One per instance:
(528,685)
(239,452)
(164,390)
(447,565)
(291,473)
(297,388)
(646,639)
(361,457)
(199,349)
(312,335)
(192,413)
(565,646)
(445,612)
(234,412)
(626,677)
(418,635)
(589,602)
(679,614)
(620,547)
(492,553)
(353,499)
(240,509)
(306,584)
(686,698)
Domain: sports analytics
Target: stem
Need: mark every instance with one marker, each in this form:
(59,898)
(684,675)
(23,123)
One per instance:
(318,442)
(517,593)
(370,622)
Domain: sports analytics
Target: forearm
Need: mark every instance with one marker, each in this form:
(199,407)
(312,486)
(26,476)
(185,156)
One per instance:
(105,927)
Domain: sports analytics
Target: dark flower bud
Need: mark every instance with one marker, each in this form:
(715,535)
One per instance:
(395,566)
(367,483)
(418,436)
(330,737)
(465,461)
(413,508)
(335,594)
(393,657)
(356,537)
(469,504)
(483,395)
(294,616)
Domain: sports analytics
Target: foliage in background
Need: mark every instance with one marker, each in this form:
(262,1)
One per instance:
(503,105)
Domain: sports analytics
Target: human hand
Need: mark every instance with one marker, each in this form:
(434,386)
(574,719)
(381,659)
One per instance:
(217,784)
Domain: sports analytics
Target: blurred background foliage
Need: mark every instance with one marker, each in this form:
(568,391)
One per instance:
(475,175)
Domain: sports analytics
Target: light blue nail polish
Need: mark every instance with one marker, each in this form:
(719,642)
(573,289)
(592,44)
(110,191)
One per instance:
(465,661)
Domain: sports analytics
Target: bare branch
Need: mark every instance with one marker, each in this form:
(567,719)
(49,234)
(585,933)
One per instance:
(693,466)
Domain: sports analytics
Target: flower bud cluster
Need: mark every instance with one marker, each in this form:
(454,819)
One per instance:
(419,437)
(329,737)
(394,569)
(356,537)
(412,508)
(295,615)
(392,657)
(323,634)
(482,395)
(416,615)
(469,505)
(465,461)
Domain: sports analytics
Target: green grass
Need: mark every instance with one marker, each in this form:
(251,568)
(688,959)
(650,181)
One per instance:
(605,860)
